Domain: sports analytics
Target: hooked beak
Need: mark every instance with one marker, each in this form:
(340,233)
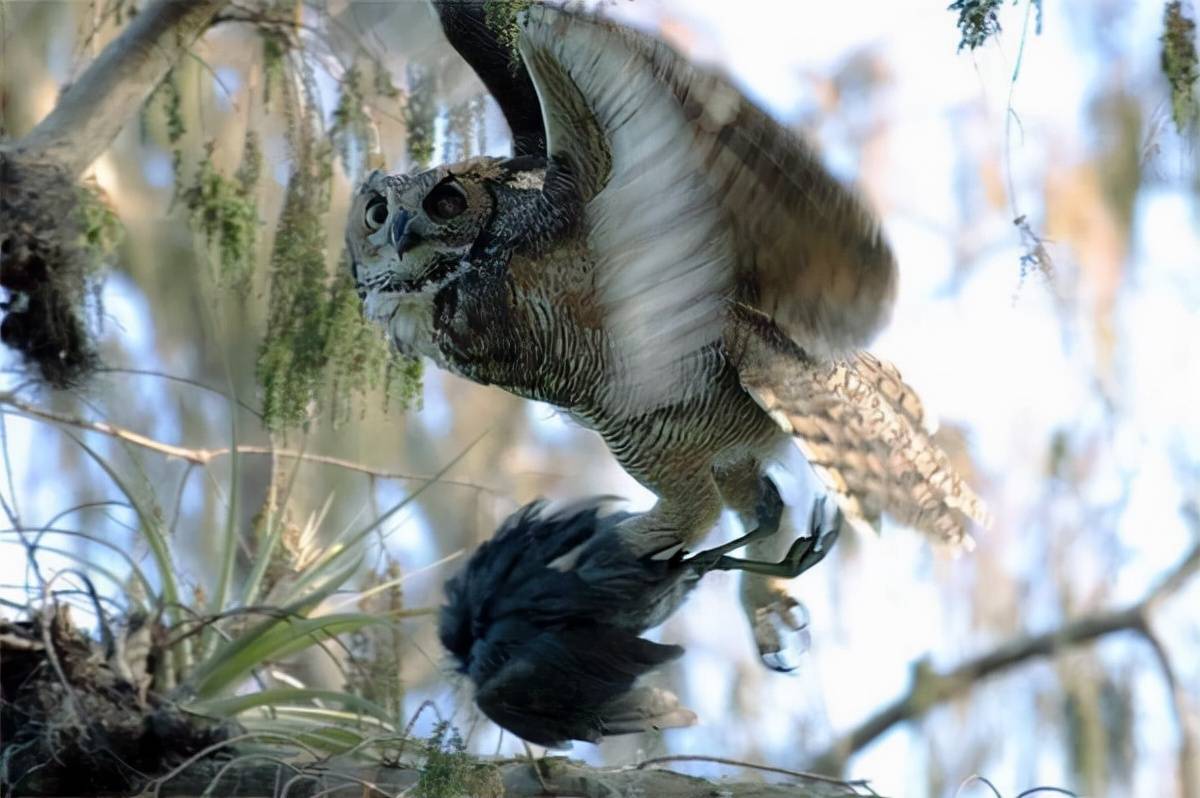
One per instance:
(402,239)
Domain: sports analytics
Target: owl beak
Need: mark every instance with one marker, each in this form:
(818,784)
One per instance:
(403,239)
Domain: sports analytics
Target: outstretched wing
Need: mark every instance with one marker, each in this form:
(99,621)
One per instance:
(862,428)
(466,27)
(696,197)
(692,197)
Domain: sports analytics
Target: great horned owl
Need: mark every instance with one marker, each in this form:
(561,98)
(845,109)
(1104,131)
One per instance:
(671,267)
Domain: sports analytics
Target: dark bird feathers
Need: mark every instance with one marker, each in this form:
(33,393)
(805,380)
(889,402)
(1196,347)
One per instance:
(545,621)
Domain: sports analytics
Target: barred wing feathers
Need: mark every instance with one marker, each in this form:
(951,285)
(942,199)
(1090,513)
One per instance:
(862,428)
(695,197)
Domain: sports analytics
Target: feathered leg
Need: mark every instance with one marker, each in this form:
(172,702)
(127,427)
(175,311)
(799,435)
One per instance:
(776,619)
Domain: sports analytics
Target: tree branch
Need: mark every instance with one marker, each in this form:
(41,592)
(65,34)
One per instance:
(930,687)
(203,457)
(516,779)
(92,111)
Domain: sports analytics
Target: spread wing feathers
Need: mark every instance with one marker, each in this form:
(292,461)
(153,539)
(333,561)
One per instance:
(861,427)
(694,197)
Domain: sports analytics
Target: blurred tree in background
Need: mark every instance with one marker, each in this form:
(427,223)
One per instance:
(181,329)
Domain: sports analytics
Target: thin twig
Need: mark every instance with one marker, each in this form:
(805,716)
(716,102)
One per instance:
(204,457)
(719,760)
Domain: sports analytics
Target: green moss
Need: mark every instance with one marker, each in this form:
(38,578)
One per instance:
(450,772)
(359,357)
(501,17)
(172,104)
(1180,64)
(318,353)
(292,356)
(381,79)
(225,211)
(275,47)
(978,20)
(100,227)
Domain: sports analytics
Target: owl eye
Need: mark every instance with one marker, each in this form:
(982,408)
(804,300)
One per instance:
(376,213)
(446,201)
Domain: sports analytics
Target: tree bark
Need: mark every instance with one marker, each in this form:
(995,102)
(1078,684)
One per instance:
(561,778)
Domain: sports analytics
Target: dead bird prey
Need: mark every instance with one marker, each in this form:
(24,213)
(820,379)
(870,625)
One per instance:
(546,618)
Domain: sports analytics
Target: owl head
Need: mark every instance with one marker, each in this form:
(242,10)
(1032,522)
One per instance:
(407,234)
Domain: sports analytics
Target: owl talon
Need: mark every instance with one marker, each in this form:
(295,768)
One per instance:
(781,632)
(806,552)
(768,514)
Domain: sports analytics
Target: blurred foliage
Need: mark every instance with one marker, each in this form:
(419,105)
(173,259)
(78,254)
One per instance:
(375,656)
(450,772)
(102,228)
(225,211)
(420,111)
(501,16)
(352,132)
(464,129)
(1180,64)
(978,20)
(275,46)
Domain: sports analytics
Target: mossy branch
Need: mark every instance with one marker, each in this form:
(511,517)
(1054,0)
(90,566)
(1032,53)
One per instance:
(111,91)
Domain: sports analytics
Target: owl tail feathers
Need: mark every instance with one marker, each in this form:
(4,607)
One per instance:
(863,430)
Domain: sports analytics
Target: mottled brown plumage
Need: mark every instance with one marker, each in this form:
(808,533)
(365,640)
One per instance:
(669,266)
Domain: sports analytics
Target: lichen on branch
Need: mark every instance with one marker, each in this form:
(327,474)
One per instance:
(1180,64)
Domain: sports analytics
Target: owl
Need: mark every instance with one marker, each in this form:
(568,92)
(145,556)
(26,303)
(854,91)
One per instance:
(672,268)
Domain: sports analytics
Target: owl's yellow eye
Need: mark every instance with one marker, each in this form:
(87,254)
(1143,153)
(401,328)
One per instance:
(376,213)
(446,201)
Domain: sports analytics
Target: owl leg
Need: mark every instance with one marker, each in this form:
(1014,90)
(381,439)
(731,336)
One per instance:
(804,553)
(768,515)
(778,621)
(685,512)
